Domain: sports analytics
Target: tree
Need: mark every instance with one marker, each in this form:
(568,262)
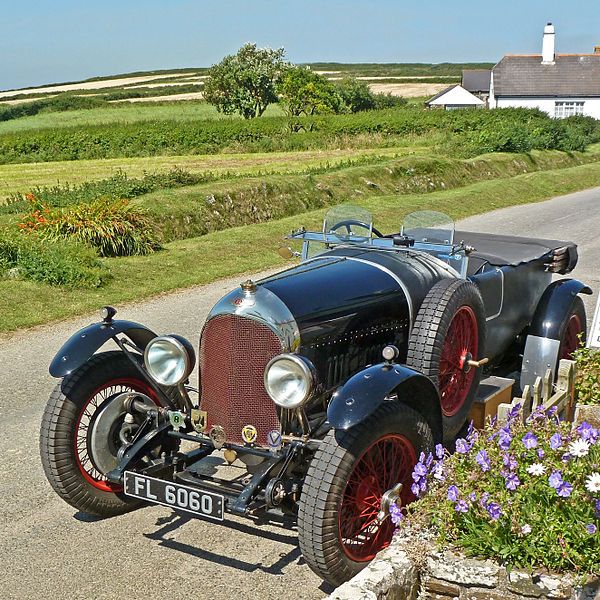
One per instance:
(245,82)
(356,94)
(307,93)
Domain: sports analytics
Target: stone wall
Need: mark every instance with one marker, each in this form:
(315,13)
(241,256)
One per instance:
(414,570)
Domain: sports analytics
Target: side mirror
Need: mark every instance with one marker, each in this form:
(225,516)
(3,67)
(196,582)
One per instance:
(287,253)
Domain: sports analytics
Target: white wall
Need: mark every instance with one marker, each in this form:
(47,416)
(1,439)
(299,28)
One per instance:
(591,106)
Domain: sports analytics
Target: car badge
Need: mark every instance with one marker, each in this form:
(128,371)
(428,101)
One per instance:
(249,434)
(218,437)
(199,420)
(176,419)
(274,439)
(230,455)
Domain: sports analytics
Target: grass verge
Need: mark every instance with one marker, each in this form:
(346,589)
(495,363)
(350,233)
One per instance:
(252,247)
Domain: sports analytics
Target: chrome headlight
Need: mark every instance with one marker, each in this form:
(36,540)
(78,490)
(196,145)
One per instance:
(289,380)
(169,359)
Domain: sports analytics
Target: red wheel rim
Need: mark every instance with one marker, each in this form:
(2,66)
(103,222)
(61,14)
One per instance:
(97,399)
(460,345)
(386,462)
(570,340)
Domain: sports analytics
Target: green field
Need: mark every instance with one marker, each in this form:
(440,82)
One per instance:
(219,192)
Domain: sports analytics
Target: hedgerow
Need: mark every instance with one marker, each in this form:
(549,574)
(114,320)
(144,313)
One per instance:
(470,132)
(62,102)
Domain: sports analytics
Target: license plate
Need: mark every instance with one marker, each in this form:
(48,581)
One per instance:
(179,497)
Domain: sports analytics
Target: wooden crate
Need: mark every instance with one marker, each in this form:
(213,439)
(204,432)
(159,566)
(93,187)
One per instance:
(492,392)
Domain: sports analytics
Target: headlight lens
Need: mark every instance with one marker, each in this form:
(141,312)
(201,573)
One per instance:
(169,359)
(289,380)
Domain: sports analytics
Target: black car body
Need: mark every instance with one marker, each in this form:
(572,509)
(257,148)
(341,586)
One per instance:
(293,389)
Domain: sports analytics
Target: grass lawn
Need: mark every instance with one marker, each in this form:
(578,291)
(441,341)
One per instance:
(125,112)
(253,247)
(23,177)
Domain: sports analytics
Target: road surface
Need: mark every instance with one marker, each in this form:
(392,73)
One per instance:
(47,550)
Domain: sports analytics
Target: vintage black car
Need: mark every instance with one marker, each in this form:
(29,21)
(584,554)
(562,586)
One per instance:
(320,385)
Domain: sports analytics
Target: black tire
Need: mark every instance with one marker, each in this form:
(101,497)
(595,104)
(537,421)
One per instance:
(325,512)
(451,315)
(65,433)
(573,324)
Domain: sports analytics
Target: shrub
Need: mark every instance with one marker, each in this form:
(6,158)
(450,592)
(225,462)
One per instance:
(56,263)
(111,227)
(388,100)
(356,94)
(527,495)
(587,381)
(58,103)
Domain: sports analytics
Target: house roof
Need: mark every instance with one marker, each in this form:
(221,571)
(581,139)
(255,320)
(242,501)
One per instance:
(476,80)
(571,75)
(455,95)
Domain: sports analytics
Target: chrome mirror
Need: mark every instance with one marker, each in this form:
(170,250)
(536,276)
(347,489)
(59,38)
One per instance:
(287,253)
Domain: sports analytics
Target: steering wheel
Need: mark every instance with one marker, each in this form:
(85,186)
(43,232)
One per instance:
(348,224)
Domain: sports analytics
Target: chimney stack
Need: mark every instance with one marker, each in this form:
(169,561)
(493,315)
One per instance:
(548,45)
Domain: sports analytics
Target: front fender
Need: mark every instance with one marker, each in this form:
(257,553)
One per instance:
(364,392)
(82,345)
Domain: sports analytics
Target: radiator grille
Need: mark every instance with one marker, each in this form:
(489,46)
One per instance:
(234,352)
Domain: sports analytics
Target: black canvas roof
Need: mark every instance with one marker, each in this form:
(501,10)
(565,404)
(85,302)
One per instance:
(476,80)
(571,75)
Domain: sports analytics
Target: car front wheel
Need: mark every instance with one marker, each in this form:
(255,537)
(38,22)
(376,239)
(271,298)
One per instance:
(338,528)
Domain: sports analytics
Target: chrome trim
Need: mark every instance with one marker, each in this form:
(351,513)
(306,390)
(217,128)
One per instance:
(188,365)
(265,307)
(501,297)
(409,300)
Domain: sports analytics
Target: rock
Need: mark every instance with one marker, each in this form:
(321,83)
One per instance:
(453,568)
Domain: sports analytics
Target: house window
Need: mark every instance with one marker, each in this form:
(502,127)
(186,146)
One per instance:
(567,109)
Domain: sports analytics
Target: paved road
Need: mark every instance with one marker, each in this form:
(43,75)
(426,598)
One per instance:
(49,551)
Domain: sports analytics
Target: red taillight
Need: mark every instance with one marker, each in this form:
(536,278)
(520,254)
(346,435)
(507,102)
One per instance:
(234,352)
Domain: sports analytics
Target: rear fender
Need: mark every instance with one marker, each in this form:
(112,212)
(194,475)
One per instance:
(543,338)
(364,392)
(79,348)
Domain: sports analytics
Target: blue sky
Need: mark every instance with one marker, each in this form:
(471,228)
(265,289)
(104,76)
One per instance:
(47,41)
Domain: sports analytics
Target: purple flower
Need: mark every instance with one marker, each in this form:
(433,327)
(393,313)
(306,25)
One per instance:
(566,457)
(453,493)
(419,471)
(555,480)
(438,471)
(510,462)
(484,498)
(541,453)
(396,514)
(473,497)
(494,510)
(556,441)
(591,528)
(529,440)
(564,489)
(462,446)
(512,482)
(439,451)
(415,488)
(461,506)
(504,438)
(422,457)
(429,460)
(598,508)
(513,413)
(482,459)
(588,433)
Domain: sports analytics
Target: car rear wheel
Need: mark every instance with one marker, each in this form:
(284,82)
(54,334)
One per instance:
(79,437)
(338,529)
(449,331)
(573,330)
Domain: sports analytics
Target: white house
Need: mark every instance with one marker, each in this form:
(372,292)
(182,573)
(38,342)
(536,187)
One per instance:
(559,84)
(455,97)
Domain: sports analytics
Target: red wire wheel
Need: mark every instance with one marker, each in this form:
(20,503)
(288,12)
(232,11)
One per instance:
(74,461)
(570,340)
(449,330)
(386,462)
(338,529)
(83,428)
(456,376)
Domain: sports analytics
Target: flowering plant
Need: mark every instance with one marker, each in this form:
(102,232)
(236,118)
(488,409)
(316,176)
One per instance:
(525,494)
